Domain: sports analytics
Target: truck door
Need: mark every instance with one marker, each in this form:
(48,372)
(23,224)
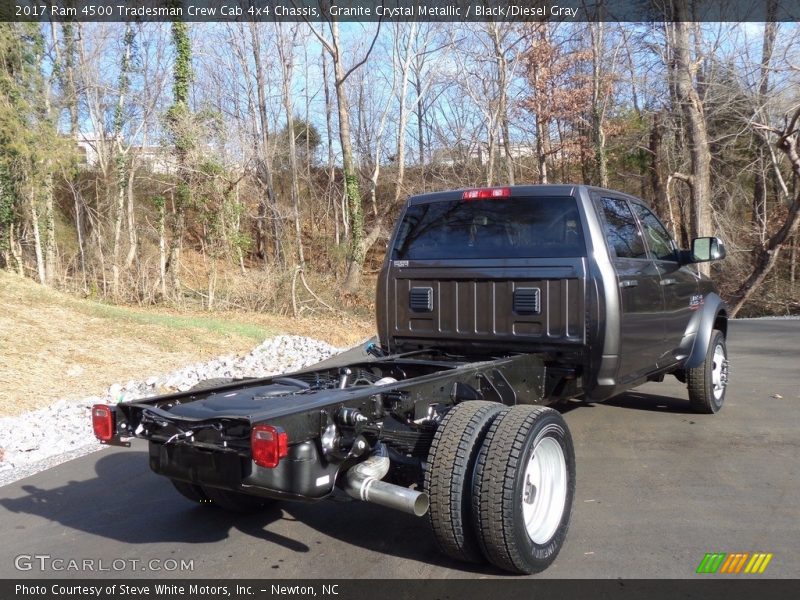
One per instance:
(679,283)
(641,297)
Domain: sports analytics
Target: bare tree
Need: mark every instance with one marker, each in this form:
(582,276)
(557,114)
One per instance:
(762,143)
(559,94)
(286,42)
(124,172)
(503,45)
(267,208)
(766,256)
(360,241)
(180,117)
(331,165)
(699,179)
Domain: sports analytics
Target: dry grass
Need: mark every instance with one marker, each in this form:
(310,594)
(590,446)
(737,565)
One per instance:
(55,346)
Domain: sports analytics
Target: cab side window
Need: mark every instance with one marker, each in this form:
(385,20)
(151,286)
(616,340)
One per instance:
(622,231)
(659,240)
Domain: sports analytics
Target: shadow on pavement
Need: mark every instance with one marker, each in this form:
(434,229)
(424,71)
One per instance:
(651,402)
(129,504)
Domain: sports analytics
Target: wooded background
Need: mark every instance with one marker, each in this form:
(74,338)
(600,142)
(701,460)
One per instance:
(261,166)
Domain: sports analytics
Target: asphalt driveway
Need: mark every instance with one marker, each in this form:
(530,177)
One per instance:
(658,487)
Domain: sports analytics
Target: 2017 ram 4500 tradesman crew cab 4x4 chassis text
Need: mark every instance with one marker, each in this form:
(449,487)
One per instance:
(492,304)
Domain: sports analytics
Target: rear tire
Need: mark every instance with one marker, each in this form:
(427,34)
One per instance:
(523,489)
(708,382)
(236,501)
(448,479)
(190,491)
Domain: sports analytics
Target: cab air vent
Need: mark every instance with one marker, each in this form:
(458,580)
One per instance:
(421,299)
(526,301)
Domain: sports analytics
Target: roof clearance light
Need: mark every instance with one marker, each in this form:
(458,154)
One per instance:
(268,445)
(103,422)
(486,193)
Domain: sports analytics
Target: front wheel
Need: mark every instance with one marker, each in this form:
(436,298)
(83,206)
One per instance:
(523,489)
(707,383)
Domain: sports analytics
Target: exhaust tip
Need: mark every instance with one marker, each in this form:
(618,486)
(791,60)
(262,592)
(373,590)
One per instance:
(421,504)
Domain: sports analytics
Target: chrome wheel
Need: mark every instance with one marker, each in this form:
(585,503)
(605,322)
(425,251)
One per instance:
(719,371)
(544,493)
(524,486)
(708,381)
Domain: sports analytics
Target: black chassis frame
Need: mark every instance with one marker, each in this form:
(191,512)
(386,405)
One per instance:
(357,420)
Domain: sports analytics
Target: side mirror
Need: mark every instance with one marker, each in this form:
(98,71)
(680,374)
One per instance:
(705,249)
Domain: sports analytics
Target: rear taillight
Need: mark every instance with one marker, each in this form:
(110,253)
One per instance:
(486,193)
(269,445)
(103,422)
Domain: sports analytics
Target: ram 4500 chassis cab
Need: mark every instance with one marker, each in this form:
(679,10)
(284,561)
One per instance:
(492,304)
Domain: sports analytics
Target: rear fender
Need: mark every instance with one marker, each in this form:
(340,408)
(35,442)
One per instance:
(698,333)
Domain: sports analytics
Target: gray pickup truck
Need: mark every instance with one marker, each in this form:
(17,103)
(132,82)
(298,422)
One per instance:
(586,276)
(492,304)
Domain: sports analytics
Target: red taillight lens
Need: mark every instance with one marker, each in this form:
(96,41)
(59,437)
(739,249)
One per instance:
(269,445)
(486,193)
(103,422)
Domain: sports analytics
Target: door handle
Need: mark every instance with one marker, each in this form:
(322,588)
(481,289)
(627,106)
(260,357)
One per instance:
(628,283)
(669,281)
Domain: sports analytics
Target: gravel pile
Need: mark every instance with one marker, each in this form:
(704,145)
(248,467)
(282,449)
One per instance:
(66,424)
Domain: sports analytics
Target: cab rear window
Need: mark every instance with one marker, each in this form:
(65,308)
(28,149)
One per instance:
(526,227)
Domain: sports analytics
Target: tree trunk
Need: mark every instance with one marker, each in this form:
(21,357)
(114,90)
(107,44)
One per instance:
(180,116)
(71,93)
(357,247)
(267,208)
(658,159)
(307,98)
(132,238)
(70,90)
(542,147)
(490,152)
(762,164)
(48,188)
(331,170)
(420,123)
(598,135)
(177,225)
(119,211)
(50,229)
(37,243)
(400,157)
(162,244)
(501,63)
(16,251)
(696,131)
(287,60)
(121,165)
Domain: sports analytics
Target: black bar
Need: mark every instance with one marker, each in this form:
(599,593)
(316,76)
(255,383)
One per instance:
(406,589)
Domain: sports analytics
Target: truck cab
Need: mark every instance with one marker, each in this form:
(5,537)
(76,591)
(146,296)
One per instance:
(588,276)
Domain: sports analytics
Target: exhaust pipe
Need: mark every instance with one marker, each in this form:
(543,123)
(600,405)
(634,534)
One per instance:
(363,482)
